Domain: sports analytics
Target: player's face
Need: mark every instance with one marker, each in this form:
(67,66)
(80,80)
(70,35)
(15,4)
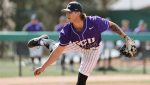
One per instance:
(72,16)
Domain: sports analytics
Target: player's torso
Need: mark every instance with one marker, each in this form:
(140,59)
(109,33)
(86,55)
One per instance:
(88,37)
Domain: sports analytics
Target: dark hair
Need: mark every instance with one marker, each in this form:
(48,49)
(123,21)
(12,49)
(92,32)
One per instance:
(82,15)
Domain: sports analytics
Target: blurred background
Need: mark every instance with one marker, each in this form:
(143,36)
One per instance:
(21,20)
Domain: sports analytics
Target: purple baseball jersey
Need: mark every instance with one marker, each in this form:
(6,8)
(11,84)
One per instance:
(59,27)
(88,37)
(33,27)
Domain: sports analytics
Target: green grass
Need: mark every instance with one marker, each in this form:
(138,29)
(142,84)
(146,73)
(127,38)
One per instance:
(11,69)
(8,68)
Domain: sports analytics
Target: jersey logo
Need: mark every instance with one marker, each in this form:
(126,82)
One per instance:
(85,42)
(90,28)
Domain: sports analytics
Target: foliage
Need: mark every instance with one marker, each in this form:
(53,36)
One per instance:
(7,12)
(49,11)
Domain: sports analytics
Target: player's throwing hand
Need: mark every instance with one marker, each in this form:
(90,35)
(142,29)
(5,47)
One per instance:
(38,71)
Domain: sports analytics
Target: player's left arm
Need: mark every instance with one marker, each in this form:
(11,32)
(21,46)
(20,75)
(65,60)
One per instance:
(115,28)
(130,44)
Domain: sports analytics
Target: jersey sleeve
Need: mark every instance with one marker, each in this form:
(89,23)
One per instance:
(103,24)
(64,38)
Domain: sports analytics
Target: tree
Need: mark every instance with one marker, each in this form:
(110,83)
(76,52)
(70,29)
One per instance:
(7,12)
(47,11)
(50,10)
(7,9)
(97,4)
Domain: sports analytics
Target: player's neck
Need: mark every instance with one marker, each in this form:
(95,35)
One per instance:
(78,24)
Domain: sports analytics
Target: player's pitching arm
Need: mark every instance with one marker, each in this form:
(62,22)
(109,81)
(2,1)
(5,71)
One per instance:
(52,58)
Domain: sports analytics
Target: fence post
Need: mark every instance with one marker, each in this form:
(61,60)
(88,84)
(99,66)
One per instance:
(20,66)
(144,66)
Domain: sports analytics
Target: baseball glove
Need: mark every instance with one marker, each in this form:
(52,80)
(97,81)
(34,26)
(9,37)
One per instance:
(128,52)
(129,49)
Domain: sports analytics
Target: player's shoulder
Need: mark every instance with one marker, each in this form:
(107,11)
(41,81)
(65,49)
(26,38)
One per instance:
(66,28)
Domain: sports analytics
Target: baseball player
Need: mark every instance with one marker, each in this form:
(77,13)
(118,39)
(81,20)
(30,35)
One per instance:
(83,34)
